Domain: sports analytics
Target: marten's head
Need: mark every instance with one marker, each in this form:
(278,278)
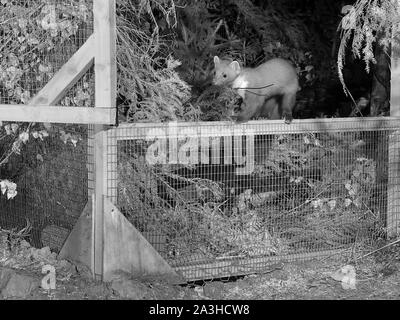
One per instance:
(225,71)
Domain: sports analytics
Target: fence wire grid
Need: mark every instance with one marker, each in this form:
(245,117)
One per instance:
(38,37)
(51,171)
(221,199)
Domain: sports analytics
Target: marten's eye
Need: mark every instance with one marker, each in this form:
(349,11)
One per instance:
(224,75)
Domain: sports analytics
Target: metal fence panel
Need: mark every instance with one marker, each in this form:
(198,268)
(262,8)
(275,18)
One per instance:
(221,199)
(51,171)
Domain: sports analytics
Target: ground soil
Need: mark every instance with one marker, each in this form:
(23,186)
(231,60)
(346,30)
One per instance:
(378,277)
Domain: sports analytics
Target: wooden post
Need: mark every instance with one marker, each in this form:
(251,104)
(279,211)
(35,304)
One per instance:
(395,84)
(392,220)
(106,79)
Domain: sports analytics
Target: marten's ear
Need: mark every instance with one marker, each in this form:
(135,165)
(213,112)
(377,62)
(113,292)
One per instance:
(235,66)
(216,60)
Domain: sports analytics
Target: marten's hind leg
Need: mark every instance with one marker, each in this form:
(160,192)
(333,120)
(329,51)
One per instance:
(271,109)
(287,104)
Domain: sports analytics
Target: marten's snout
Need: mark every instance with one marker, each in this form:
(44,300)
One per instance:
(236,109)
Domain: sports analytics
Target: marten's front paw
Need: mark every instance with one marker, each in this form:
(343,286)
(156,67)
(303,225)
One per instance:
(241,119)
(232,118)
(237,117)
(288,118)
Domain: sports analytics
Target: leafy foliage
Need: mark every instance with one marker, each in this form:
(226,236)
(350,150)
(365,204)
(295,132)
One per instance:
(365,24)
(151,88)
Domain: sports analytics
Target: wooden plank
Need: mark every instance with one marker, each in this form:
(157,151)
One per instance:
(105,96)
(67,76)
(99,192)
(395,84)
(78,246)
(56,114)
(318,123)
(127,250)
(105,61)
(393,211)
(133,131)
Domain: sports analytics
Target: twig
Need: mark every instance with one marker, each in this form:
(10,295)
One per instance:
(309,200)
(384,247)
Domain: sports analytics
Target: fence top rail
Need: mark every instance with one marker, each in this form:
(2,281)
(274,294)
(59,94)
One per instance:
(255,127)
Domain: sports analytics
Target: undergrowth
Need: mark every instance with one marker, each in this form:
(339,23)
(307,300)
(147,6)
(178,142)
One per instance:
(330,200)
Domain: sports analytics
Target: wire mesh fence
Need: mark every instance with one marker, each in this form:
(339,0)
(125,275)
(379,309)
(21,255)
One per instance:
(37,38)
(52,185)
(218,200)
(49,168)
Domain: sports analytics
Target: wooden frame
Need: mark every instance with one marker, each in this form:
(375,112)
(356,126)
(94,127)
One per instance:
(140,130)
(393,214)
(106,83)
(42,107)
(98,50)
(56,114)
